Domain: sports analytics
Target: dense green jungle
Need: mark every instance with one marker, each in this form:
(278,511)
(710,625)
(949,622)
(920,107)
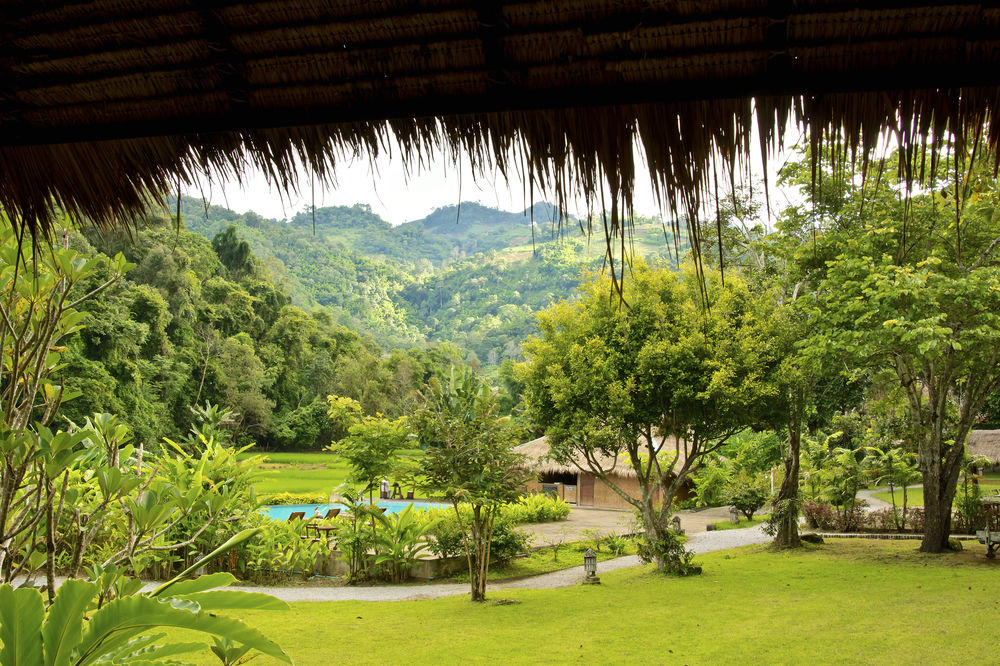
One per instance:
(269,317)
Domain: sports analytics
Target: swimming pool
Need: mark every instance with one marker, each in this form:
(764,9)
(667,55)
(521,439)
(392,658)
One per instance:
(282,511)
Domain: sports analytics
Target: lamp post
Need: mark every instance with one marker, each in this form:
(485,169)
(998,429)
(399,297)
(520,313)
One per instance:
(590,567)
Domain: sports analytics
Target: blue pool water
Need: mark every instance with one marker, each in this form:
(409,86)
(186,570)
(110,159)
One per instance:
(281,512)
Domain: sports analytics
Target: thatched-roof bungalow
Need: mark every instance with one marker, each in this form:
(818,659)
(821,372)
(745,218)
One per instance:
(984,443)
(576,486)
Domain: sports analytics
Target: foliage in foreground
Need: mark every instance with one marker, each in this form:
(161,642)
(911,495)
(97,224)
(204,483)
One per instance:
(108,620)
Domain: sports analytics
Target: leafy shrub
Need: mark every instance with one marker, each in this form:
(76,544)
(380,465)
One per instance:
(295,498)
(535,509)
(399,541)
(668,552)
(970,513)
(710,485)
(616,543)
(819,515)
(747,492)
(507,541)
(853,517)
(884,520)
(826,517)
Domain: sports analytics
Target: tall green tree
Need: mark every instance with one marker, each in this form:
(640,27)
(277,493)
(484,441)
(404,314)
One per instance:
(656,382)
(913,288)
(469,460)
(371,445)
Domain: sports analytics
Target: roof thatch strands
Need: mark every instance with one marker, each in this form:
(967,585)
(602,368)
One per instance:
(984,443)
(538,459)
(108,104)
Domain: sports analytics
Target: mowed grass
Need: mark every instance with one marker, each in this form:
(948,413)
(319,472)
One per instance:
(915,496)
(743,522)
(311,472)
(546,560)
(842,602)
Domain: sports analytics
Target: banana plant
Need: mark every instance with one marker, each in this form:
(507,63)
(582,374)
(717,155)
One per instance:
(401,540)
(124,630)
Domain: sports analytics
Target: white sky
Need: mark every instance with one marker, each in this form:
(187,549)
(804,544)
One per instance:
(398,198)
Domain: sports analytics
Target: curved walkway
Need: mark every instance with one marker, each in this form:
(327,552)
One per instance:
(704,542)
(868,495)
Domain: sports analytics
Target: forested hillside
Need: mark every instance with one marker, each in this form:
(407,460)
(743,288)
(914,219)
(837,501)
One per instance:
(474,276)
(201,321)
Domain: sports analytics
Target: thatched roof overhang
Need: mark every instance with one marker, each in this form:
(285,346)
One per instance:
(537,459)
(107,103)
(984,443)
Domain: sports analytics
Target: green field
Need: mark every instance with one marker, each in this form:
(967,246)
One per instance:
(915,496)
(304,472)
(743,522)
(844,602)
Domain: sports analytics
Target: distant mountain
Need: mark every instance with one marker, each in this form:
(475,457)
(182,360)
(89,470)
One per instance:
(472,275)
(473,228)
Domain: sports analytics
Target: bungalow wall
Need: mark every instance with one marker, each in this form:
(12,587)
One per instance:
(603,496)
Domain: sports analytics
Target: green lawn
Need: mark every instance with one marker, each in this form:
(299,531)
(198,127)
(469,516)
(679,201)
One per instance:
(743,522)
(545,560)
(304,472)
(915,496)
(843,602)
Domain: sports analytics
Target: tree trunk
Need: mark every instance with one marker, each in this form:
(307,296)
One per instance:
(937,515)
(788,494)
(656,528)
(940,479)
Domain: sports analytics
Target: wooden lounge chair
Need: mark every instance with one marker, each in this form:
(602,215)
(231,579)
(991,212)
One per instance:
(296,515)
(331,513)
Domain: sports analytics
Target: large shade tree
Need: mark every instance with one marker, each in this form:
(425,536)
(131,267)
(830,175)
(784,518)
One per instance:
(907,291)
(654,382)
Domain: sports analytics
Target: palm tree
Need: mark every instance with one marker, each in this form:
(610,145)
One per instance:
(893,467)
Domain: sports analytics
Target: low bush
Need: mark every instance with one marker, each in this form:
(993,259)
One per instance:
(819,515)
(617,544)
(295,498)
(535,509)
(826,517)
(747,492)
(507,541)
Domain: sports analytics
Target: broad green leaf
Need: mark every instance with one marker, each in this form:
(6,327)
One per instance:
(236,540)
(232,600)
(64,623)
(21,613)
(123,619)
(201,584)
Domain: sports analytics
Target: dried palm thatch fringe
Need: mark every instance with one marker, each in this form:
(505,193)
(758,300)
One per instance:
(538,459)
(566,153)
(984,443)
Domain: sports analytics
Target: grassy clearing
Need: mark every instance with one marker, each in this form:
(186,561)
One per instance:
(843,602)
(312,472)
(743,522)
(915,496)
(545,560)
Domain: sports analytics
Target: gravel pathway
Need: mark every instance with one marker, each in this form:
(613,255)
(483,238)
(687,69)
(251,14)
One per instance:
(703,542)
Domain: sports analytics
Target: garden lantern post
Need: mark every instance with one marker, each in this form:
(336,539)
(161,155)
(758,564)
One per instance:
(590,567)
